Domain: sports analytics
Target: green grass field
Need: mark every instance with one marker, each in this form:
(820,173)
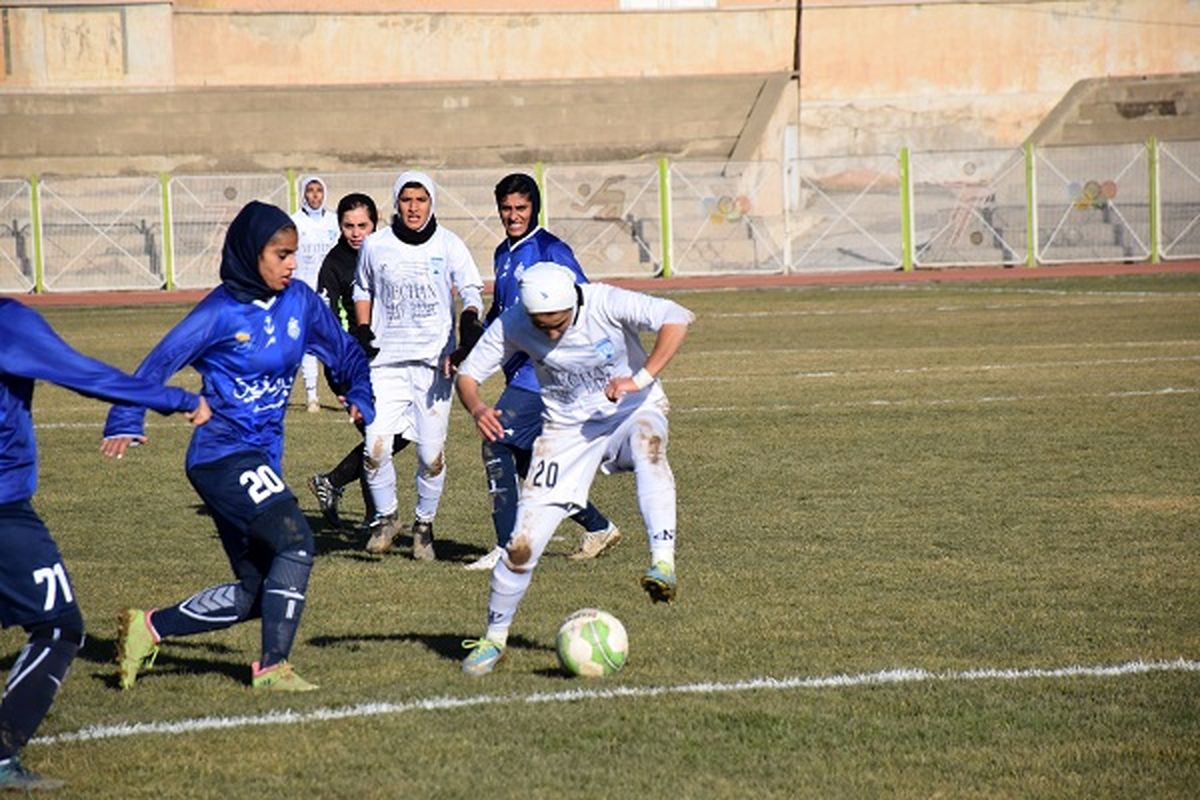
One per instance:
(882,489)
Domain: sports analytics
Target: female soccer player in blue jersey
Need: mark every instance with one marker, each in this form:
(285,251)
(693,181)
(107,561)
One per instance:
(246,338)
(35,589)
(506,460)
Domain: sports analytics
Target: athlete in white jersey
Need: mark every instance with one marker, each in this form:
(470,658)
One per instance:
(318,231)
(604,410)
(404,302)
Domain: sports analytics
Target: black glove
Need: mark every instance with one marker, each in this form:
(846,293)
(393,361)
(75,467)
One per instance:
(469,331)
(364,336)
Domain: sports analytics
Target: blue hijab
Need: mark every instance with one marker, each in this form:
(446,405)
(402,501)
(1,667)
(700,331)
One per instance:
(248,234)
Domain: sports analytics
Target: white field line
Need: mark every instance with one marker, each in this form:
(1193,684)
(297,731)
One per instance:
(944,401)
(940,309)
(777,373)
(842,681)
(916,348)
(872,403)
(962,368)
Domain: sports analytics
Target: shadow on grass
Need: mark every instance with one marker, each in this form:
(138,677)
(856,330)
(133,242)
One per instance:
(178,657)
(447,645)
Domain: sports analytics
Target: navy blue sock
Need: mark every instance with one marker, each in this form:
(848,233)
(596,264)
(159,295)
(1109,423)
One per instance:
(32,684)
(210,609)
(590,518)
(283,604)
(500,463)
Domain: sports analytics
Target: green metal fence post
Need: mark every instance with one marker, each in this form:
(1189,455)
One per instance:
(293,195)
(906,234)
(1155,240)
(664,215)
(35,212)
(1031,232)
(539,177)
(168,246)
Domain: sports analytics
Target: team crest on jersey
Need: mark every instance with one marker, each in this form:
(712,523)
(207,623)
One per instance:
(605,348)
(436,264)
(294,328)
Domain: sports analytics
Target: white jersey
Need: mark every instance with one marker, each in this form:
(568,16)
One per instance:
(317,233)
(601,343)
(411,292)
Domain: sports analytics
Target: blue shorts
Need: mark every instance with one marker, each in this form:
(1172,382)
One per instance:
(34,584)
(239,487)
(521,415)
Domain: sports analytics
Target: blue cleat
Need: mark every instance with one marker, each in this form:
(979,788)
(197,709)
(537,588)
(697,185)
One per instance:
(659,582)
(485,655)
(14,777)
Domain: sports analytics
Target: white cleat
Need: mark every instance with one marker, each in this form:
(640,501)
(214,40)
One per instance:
(487,562)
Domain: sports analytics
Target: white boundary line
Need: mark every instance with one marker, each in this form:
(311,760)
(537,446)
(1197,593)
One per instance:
(361,710)
(1166,391)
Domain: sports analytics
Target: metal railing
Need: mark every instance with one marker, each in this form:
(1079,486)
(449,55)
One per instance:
(909,210)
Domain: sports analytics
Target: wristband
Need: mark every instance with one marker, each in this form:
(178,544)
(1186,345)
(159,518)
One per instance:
(642,378)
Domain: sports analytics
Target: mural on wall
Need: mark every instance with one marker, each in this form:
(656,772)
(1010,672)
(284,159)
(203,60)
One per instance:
(85,44)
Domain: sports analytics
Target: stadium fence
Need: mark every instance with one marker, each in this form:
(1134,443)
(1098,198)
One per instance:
(909,210)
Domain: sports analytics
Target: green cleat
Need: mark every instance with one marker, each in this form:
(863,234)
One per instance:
(659,582)
(15,778)
(278,678)
(485,655)
(137,645)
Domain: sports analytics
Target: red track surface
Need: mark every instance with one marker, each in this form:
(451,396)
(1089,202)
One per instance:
(844,278)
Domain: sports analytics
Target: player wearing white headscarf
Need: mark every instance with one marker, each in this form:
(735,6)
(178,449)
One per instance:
(404,302)
(317,230)
(604,409)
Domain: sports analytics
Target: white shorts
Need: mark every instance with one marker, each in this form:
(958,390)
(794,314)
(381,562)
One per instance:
(411,400)
(565,459)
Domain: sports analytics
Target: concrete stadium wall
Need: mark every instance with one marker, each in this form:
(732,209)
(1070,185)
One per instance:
(874,76)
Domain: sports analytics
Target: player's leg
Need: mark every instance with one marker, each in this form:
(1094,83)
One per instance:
(308,366)
(559,478)
(229,501)
(505,463)
(431,423)
(392,412)
(283,530)
(510,580)
(641,446)
(36,594)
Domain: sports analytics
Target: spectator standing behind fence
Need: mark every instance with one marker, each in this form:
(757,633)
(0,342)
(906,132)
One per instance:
(506,460)
(317,229)
(357,218)
(246,339)
(404,302)
(604,411)
(35,588)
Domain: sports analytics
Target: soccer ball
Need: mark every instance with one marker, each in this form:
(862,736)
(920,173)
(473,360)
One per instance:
(592,643)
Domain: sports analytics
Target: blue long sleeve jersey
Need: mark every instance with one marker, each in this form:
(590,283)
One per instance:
(30,350)
(510,261)
(247,354)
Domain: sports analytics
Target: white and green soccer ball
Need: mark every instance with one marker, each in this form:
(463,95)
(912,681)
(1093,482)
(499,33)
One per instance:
(592,643)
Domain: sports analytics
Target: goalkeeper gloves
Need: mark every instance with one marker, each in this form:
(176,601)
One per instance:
(364,336)
(469,331)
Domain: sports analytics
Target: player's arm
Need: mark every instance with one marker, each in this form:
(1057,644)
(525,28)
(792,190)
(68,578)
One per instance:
(666,345)
(32,349)
(643,312)
(465,276)
(485,359)
(345,360)
(363,278)
(179,347)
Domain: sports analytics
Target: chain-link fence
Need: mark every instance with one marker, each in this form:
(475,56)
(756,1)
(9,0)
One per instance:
(1179,199)
(920,210)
